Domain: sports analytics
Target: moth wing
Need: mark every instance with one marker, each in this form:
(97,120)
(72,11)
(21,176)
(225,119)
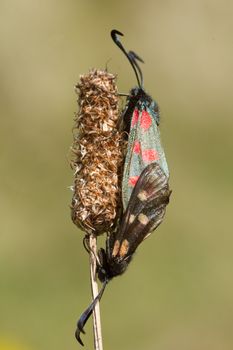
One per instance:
(145,211)
(151,149)
(144,148)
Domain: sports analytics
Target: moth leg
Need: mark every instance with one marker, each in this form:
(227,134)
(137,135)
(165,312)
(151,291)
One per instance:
(88,248)
(96,258)
(123,94)
(86,244)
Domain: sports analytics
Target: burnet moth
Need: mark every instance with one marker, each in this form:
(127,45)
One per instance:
(141,118)
(145,188)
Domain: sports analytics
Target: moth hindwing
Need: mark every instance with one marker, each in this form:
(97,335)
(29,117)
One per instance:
(144,213)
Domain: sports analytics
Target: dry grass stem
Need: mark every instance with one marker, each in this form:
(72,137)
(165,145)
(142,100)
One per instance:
(98,343)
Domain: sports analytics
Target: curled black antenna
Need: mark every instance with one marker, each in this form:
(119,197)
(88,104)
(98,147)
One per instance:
(86,314)
(134,57)
(114,35)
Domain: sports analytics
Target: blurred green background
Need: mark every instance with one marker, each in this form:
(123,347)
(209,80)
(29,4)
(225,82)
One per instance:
(178,291)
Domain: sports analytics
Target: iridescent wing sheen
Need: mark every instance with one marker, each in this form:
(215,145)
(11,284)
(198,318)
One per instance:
(144,146)
(145,211)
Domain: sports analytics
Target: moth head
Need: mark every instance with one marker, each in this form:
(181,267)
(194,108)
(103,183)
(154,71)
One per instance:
(102,268)
(141,100)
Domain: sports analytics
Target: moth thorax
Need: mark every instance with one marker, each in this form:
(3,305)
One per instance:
(118,266)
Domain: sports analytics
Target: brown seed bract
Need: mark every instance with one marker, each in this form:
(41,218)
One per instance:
(97,154)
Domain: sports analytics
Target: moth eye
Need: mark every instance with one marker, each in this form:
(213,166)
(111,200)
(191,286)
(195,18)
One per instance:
(131,218)
(143,219)
(116,248)
(143,195)
(124,248)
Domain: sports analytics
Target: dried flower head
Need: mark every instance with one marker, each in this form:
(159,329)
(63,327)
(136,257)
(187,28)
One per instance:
(97,154)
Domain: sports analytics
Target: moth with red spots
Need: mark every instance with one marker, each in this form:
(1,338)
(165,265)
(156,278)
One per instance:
(144,213)
(145,188)
(141,117)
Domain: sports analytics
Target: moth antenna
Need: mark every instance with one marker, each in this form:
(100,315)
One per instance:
(114,35)
(123,94)
(86,243)
(87,313)
(134,57)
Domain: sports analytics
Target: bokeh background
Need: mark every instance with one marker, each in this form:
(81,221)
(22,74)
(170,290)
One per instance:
(178,291)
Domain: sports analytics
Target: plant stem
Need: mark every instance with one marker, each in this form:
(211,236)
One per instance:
(98,343)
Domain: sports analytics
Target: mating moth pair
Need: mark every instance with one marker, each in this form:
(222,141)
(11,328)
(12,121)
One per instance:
(145,188)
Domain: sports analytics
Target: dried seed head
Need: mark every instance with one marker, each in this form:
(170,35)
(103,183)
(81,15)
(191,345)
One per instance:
(97,151)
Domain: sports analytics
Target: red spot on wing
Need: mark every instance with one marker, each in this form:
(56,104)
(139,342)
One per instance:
(149,155)
(145,120)
(135,117)
(137,147)
(133,180)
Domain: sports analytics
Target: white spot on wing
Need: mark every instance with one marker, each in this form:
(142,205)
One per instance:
(143,219)
(131,218)
(142,195)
